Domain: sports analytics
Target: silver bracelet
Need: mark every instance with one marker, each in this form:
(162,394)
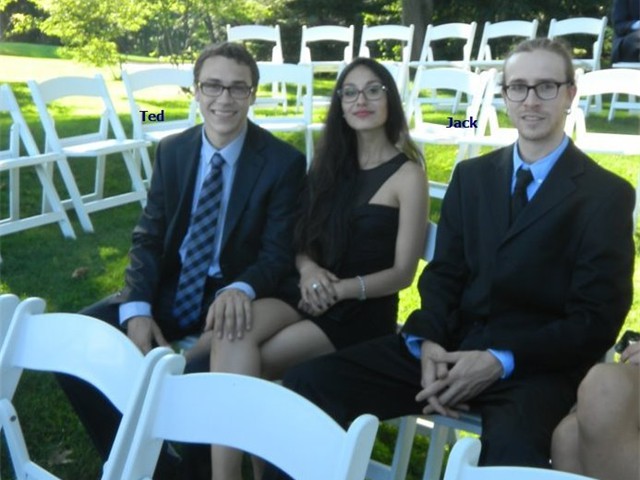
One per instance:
(363,288)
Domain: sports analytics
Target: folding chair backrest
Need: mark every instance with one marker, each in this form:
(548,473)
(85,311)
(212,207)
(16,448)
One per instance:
(447,31)
(80,346)
(582,26)
(397,33)
(508,28)
(430,241)
(614,80)
(463,461)
(449,79)
(327,33)
(254,415)
(262,33)
(297,75)
(151,79)
(44,93)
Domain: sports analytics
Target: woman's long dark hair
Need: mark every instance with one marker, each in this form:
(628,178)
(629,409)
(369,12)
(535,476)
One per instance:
(322,229)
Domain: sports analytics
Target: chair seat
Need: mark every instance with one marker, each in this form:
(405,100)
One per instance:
(435,133)
(156,136)
(102,147)
(610,143)
(30,161)
(282,125)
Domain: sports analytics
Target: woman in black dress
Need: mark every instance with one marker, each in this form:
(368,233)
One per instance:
(360,236)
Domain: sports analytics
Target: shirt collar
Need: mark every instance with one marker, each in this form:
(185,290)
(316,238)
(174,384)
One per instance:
(540,168)
(230,152)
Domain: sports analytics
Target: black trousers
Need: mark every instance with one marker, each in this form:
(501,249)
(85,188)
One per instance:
(98,415)
(629,48)
(382,378)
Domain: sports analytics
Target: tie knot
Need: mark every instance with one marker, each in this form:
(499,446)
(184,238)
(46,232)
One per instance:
(217,160)
(523,178)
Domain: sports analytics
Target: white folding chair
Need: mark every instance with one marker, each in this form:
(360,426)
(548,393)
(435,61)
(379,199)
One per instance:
(446,80)
(632,103)
(97,144)
(81,346)
(11,161)
(300,77)
(250,414)
(463,461)
(602,82)
(260,34)
(448,33)
(580,26)
(158,84)
(517,29)
(326,34)
(391,33)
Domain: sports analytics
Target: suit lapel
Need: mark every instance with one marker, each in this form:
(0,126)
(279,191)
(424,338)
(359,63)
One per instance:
(558,185)
(250,164)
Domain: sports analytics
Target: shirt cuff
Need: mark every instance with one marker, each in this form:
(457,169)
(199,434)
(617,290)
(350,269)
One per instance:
(413,343)
(134,309)
(242,286)
(505,357)
(635,25)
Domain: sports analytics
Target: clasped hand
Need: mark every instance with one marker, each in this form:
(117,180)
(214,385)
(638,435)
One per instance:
(318,290)
(451,379)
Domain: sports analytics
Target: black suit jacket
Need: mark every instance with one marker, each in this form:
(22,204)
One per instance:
(554,288)
(625,13)
(258,229)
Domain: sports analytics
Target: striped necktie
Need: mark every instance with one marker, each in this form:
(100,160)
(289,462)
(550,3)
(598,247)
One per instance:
(199,248)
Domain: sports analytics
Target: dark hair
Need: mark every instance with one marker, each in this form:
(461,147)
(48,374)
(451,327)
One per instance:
(234,51)
(556,45)
(322,229)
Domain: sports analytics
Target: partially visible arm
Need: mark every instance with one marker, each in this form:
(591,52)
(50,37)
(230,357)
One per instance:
(623,23)
(411,191)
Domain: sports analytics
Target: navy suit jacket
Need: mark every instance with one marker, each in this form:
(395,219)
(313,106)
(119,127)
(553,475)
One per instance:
(554,287)
(258,229)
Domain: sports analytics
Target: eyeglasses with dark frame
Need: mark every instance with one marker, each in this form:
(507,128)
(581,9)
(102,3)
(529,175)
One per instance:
(547,90)
(372,92)
(237,92)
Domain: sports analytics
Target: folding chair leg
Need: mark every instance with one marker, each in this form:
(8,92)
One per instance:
(134,173)
(15,439)
(435,455)
(14,192)
(50,193)
(74,195)
(99,180)
(147,168)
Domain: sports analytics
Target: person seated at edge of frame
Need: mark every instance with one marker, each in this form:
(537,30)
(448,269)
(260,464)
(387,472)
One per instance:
(530,283)
(601,438)
(359,237)
(626,28)
(216,233)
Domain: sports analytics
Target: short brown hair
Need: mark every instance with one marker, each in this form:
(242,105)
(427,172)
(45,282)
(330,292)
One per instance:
(234,51)
(557,46)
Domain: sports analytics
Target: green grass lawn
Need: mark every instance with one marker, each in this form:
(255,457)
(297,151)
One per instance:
(72,274)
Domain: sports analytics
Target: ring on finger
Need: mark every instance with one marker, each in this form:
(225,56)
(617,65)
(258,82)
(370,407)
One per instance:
(315,286)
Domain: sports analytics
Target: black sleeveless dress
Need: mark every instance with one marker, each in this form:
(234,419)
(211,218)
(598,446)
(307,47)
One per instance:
(373,230)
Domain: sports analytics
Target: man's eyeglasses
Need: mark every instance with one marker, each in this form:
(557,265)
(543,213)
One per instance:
(517,92)
(372,92)
(238,92)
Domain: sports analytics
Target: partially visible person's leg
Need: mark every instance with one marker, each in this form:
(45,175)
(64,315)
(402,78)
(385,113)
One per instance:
(630,47)
(564,446)
(243,356)
(609,422)
(519,417)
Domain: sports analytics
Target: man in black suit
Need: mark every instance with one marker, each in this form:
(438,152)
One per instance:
(248,238)
(626,27)
(530,284)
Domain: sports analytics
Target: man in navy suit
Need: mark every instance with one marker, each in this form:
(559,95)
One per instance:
(251,249)
(626,27)
(529,286)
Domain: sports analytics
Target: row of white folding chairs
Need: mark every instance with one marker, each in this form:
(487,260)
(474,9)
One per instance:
(60,147)
(158,403)
(404,34)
